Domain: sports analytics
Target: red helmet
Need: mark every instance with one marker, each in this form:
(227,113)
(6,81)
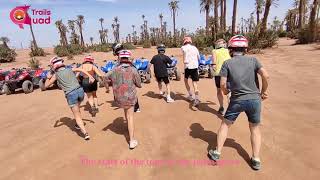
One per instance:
(88,59)
(238,41)
(56,62)
(125,55)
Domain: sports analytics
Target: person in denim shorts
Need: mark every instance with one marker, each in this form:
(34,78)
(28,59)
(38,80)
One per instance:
(68,82)
(242,74)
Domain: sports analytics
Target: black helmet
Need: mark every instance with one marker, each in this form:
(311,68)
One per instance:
(161,48)
(116,47)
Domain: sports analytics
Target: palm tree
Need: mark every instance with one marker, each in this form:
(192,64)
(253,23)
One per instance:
(63,32)
(161,25)
(216,15)
(91,40)
(259,8)
(224,15)
(74,37)
(101,23)
(173,5)
(263,27)
(105,35)
(5,41)
(221,15)
(205,6)
(312,23)
(35,45)
(80,22)
(302,6)
(234,16)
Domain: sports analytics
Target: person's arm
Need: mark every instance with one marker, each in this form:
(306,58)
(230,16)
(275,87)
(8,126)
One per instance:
(168,60)
(50,80)
(223,85)
(185,61)
(107,80)
(214,59)
(136,78)
(91,79)
(265,77)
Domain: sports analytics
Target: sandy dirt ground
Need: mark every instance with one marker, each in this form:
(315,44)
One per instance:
(38,141)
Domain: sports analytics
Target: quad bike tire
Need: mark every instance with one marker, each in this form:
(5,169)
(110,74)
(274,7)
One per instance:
(177,74)
(210,73)
(27,87)
(42,85)
(148,79)
(6,90)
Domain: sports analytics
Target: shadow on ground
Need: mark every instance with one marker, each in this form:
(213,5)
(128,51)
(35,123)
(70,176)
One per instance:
(70,123)
(198,132)
(119,126)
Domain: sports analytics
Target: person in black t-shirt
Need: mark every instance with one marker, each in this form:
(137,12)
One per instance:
(160,63)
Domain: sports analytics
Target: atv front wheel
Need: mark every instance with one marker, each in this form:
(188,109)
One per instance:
(7,90)
(27,87)
(42,85)
(148,78)
(177,74)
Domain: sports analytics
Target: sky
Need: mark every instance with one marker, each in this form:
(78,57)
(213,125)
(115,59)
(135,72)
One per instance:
(128,11)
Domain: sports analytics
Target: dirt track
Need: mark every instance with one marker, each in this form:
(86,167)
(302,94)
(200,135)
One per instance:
(38,141)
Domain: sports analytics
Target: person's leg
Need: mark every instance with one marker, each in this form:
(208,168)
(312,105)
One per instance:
(77,115)
(137,107)
(160,88)
(186,82)
(95,98)
(255,140)
(222,134)
(90,99)
(129,116)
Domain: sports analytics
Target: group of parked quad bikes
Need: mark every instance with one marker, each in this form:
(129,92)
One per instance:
(29,79)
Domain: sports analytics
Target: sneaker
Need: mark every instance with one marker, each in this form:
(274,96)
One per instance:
(86,136)
(196,102)
(214,155)
(93,111)
(137,110)
(133,144)
(170,100)
(255,164)
(190,98)
(77,127)
(221,110)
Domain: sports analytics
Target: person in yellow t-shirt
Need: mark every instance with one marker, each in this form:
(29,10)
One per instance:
(220,54)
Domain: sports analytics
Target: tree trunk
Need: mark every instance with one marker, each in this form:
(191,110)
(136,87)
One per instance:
(312,23)
(234,16)
(81,36)
(224,15)
(263,28)
(300,14)
(174,27)
(207,21)
(258,15)
(221,15)
(33,38)
(216,16)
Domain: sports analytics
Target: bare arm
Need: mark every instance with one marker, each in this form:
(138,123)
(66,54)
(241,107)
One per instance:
(91,79)
(265,77)
(137,78)
(223,85)
(50,80)
(98,71)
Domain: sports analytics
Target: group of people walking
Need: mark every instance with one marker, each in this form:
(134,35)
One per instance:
(236,75)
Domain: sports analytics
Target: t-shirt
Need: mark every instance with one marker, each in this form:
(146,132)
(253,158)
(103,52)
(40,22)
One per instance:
(242,73)
(67,80)
(222,55)
(191,56)
(160,62)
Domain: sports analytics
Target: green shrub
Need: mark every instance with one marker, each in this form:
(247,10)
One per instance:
(282,33)
(37,52)
(304,36)
(34,63)
(73,49)
(129,46)
(147,44)
(267,40)
(7,54)
(100,48)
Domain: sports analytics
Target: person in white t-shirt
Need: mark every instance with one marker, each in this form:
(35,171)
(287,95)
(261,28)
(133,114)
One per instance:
(191,58)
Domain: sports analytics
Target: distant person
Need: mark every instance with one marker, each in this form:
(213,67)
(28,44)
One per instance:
(125,78)
(116,48)
(90,88)
(242,73)
(191,58)
(220,54)
(160,63)
(68,82)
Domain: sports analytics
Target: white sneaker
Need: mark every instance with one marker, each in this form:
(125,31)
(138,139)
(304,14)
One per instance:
(190,98)
(133,144)
(169,100)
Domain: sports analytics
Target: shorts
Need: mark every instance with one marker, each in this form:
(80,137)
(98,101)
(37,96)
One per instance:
(164,79)
(217,80)
(251,107)
(193,73)
(75,97)
(89,87)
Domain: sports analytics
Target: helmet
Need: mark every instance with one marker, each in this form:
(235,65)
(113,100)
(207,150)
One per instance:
(161,48)
(221,43)
(238,41)
(116,47)
(88,59)
(187,39)
(56,62)
(125,55)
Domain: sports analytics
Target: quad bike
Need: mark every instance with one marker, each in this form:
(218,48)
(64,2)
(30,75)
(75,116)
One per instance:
(110,65)
(143,67)
(3,74)
(16,79)
(206,66)
(172,69)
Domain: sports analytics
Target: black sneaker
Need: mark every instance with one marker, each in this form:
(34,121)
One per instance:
(221,110)
(196,102)
(214,155)
(137,110)
(86,136)
(255,165)
(93,111)
(77,127)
